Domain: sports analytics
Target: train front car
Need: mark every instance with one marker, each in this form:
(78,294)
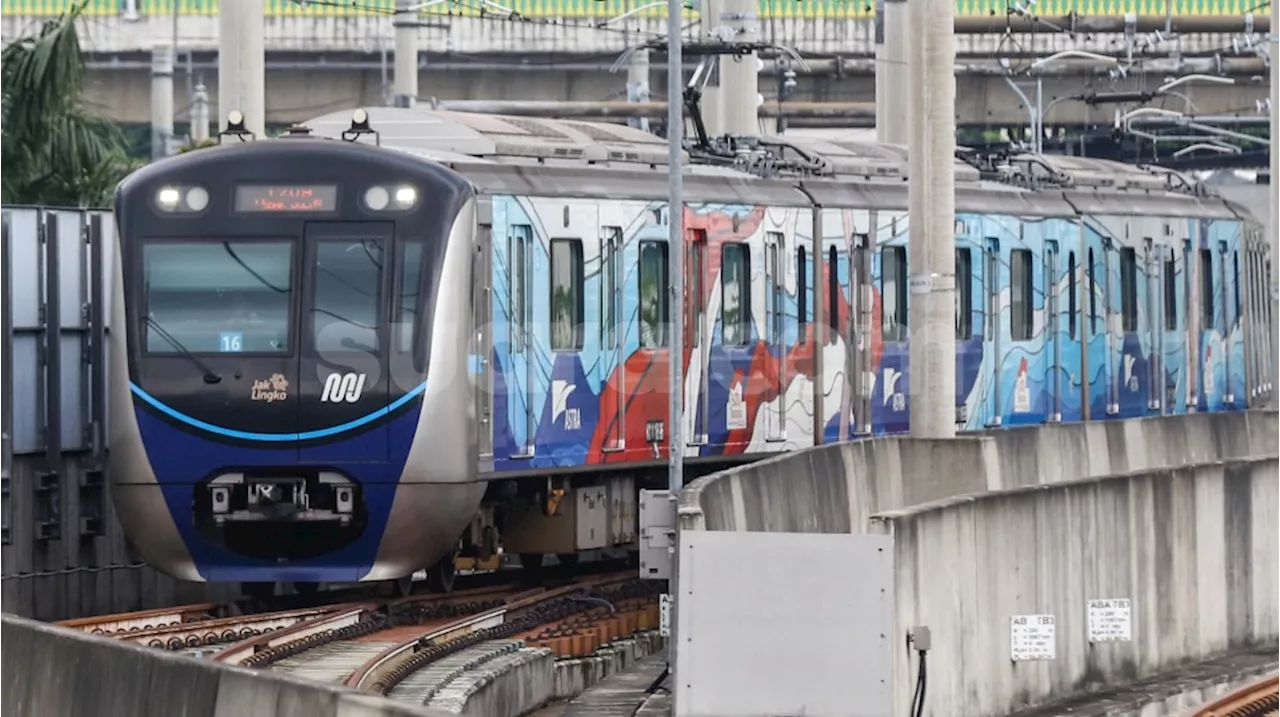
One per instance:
(291,402)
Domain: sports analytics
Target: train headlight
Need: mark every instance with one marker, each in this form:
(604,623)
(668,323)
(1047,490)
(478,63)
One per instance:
(406,197)
(197,199)
(376,198)
(168,198)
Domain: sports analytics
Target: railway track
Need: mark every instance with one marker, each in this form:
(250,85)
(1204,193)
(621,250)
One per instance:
(1260,699)
(409,649)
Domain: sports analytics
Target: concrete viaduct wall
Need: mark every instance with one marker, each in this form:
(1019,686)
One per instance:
(1176,514)
(50,671)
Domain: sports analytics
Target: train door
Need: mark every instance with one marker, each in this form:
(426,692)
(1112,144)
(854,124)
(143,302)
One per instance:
(857,330)
(893,382)
(991,271)
(736,341)
(1206,350)
(1153,330)
(1053,333)
(1071,371)
(482,335)
(1247,316)
(343,371)
(1024,344)
(1233,350)
(697,335)
(1170,322)
(775,335)
(612,339)
(1129,397)
(1098,390)
(520,254)
(968,347)
(844,379)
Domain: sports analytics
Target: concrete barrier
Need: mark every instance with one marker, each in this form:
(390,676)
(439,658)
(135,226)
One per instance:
(1195,550)
(836,488)
(1051,516)
(51,671)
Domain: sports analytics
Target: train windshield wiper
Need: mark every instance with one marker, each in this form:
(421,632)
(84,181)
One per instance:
(209,375)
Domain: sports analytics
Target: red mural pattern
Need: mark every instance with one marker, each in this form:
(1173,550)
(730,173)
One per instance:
(647,370)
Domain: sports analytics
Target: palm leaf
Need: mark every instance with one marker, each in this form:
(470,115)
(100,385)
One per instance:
(55,150)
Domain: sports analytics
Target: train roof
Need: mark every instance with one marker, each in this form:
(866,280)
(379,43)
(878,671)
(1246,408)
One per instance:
(503,139)
(579,158)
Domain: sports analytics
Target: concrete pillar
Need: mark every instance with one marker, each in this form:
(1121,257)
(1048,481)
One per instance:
(712,105)
(405,82)
(1273,225)
(931,201)
(740,74)
(892,83)
(161,98)
(241,64)
(638,85)
(199,115)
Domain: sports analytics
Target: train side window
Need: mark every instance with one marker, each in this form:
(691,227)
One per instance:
(893,293)
(964,294)
(802,289)
(519,242)
(735,294)
(1092,288)
(1129,288)
(833,292)
(653,294)
(1071,294)
(1170,296)
(218,297)
(1235,281)
(1021,307)
(348,281)
(566,295)
(1207,313)
(407,294)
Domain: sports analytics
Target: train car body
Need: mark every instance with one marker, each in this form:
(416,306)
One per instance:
(277,395)
(1103,292)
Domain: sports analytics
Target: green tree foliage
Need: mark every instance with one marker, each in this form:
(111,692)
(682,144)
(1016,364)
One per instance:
(56,150)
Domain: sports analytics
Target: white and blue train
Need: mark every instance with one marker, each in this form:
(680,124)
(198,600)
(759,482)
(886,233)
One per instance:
(348,361)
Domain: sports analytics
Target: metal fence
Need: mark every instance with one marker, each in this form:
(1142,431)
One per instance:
(819,9)
(64,554)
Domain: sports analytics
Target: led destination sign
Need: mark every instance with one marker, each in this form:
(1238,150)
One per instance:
(287,198)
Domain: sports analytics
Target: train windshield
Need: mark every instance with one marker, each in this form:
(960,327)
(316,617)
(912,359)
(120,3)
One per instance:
(218,297)
(208,297)
(348,279)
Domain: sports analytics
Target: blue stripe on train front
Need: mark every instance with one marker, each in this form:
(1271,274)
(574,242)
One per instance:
(275,437)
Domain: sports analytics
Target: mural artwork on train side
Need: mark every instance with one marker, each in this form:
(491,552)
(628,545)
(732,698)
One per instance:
(580,371)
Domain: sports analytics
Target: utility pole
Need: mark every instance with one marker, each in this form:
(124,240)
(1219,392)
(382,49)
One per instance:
(199,115)
(892,81)
(161,98)
(405,88)
(638,85)
(675,320)
(932,211)
(1274,228)
(242,65)
(711,104)
(740,74)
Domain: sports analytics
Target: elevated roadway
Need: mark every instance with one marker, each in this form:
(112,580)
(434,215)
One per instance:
(320,60)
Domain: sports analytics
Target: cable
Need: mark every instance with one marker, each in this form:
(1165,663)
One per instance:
(922,680)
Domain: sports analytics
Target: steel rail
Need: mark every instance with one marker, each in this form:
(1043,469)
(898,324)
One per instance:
(1254,700)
